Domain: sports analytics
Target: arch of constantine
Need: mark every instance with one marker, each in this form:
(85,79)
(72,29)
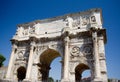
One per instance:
(77,38)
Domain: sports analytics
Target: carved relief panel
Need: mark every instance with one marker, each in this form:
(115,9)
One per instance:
(75,51)
(85,20)
(76,21)
(79,21)
(87,49)
(22,56)
(81,51)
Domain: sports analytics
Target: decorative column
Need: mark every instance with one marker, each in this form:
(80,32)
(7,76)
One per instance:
(96,56)
(102,59)
(66,61)
(11,62)
(30,63)
(102,54)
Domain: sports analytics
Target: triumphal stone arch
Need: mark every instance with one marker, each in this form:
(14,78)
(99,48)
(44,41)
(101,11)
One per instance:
(77,38)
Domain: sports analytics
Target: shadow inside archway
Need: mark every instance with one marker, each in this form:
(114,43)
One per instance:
(78,73)
(21,73)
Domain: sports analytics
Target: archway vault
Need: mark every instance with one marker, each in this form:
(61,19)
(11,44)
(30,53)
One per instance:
(48,56)
(45,61)
(79,70)
(81,67)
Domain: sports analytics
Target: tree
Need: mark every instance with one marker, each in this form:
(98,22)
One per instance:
(50,79)
(2,59)
(108,80)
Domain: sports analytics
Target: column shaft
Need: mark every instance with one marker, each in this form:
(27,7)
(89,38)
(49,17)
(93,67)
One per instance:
(102,52)
(66,60)
(103,67)
(9,71)
(96,56)
(30,63)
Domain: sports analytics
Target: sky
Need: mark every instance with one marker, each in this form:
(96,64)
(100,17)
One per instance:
(13,12)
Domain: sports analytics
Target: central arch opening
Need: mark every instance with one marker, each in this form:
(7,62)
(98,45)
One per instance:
(79,71)
(55,71)
(21,73)
(46,59)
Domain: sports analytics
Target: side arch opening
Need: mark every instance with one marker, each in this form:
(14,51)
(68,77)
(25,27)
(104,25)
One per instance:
(79,70)
(21,73)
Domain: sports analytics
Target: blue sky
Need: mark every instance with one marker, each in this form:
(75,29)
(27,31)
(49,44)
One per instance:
(13,12)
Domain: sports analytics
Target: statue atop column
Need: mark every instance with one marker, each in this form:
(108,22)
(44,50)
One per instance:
(69,21)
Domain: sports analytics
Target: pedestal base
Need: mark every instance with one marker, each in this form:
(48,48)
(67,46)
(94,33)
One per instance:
(65,80)
(5,80)
(26,80)
(97,79)
(8,80)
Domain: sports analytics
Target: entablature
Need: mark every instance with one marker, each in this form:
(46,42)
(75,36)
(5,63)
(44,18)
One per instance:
(53,27)
(78,35)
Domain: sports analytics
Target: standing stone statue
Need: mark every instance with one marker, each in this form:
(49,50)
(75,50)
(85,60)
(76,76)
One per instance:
(69,21)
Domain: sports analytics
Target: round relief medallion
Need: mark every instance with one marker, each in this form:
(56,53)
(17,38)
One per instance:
(87,49)
(20,55)
(75,51)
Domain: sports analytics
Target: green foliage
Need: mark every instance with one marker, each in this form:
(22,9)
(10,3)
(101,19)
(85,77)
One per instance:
(50,79)
(2,59)
(57,81)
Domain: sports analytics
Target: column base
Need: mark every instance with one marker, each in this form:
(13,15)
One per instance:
(65,80)
(26,80)
(97,79)
(7,80)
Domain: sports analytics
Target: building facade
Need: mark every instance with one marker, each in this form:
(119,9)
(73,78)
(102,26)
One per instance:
(77,38)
